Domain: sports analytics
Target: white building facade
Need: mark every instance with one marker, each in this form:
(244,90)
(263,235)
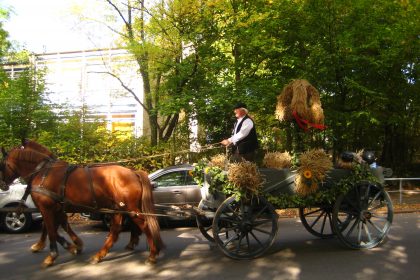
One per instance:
(85,79)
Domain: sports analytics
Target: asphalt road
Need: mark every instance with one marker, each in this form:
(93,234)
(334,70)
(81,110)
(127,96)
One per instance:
(295,255)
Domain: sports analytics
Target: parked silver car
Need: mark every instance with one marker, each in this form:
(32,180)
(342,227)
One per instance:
(11,221)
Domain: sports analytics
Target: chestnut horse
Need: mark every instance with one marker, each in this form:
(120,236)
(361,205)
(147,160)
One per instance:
(28,144)
(75,248)
(78,189)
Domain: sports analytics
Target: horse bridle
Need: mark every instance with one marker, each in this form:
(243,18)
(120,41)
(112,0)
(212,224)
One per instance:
(28,179)
(4,164)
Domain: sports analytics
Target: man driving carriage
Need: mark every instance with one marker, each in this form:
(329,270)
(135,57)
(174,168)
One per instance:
(244,141)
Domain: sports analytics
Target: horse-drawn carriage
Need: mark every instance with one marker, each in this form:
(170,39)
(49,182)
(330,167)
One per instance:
(350,204)
(359,213)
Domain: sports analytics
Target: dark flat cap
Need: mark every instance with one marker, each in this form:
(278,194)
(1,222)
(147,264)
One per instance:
(240,105)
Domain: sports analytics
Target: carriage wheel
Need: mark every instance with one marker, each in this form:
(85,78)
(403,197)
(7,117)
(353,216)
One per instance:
(370,213)
(245,229)
(204,222)
(317,221)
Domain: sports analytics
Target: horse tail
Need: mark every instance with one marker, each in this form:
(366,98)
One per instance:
(147,206)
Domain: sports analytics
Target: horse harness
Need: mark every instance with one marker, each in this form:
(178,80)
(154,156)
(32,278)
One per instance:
(47,165)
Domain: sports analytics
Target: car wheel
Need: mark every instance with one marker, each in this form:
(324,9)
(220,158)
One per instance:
(16,223)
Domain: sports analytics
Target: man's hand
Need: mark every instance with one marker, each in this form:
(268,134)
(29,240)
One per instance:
(225,142)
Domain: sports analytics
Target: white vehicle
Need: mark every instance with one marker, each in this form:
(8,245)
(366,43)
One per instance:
(11,221)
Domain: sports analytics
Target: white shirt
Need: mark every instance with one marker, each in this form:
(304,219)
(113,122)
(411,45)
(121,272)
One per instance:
(246,127)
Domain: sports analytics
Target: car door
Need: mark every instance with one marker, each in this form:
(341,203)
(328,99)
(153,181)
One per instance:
(192,190)
(169,188)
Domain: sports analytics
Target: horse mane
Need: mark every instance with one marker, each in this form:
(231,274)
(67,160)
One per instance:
(30,144)
(26,155)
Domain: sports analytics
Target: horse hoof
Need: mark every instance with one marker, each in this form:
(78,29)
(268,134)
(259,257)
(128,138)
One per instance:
(49,261)
(150,261)
(94,260)
(129,247)
(73,250)
(36,248)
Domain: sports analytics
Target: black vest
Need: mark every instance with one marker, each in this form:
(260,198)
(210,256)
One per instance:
(247,144)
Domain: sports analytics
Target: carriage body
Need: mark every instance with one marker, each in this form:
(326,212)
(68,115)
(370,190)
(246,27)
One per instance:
(360,216)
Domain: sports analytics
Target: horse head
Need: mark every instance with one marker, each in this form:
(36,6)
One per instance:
(19,163)
(6,173)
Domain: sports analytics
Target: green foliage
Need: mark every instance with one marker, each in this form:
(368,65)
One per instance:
(327,195)
(83,142)
(199,57)
(24,110)
(216,178)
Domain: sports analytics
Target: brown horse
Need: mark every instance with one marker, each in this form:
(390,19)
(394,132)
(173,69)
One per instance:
(28,144)
(75,248)
(109,186)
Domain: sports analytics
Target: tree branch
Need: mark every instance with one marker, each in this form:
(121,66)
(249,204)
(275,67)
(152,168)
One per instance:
(124,86)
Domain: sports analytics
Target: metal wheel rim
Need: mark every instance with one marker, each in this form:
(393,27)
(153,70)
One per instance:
(206,230)
(371,216)
(242,231)
(15,222)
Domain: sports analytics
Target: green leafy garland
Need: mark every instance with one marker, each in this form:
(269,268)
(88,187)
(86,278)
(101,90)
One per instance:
(217,179)
(360,172)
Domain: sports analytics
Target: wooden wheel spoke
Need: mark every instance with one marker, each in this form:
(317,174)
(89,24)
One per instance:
(229,220)
(330,220)
(379,217)
(375,226)
(238,246)
(323,224)
(233,212)
(229,240)
(376,207)
(261,230)
(207,228)
(256,239)
(259,212)
(352,227)
(367,232)
(374,198)
(359,232)
(227,229)
(247,241)
(309,213)
(347,221)
(261,222)
(317,219)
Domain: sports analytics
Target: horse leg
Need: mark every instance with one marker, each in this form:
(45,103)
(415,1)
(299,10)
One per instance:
(52,235)
(35,248)
(77,247)
(110,240)
(62,220)
(141,223)
(134,237)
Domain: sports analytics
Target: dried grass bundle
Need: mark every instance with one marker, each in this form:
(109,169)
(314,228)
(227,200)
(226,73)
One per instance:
(277,160)
(245,176)
(314,165)
(218,160)
(358,156)
(300,101)
(302,97)
(283,110)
